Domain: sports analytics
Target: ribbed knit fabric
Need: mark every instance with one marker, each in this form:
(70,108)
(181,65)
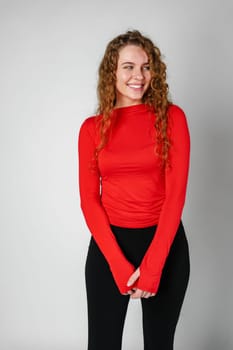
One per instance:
(129,188)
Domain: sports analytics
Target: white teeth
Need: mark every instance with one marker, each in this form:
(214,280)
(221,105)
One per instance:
(135,86)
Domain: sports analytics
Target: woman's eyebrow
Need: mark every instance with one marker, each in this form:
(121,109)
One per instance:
(145,63)
(127,63)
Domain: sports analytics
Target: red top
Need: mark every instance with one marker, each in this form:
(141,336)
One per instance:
(129,188)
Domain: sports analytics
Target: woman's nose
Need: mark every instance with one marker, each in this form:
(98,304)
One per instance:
(138,74)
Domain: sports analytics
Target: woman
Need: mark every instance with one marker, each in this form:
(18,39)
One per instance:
(133,170)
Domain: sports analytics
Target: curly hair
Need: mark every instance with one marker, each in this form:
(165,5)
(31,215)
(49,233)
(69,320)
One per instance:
(156,95)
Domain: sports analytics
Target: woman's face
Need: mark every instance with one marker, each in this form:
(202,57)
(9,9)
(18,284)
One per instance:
(133,76)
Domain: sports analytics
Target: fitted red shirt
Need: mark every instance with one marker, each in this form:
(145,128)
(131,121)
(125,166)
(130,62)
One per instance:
(130,188)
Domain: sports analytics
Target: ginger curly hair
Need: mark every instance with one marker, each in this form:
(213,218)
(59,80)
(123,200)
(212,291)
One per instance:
(156,95)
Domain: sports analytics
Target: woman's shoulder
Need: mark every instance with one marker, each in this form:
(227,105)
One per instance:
(90,124)
(175,110)
(177,121)
(176,114)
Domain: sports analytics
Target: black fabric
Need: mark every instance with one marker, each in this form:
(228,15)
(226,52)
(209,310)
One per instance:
(107,307)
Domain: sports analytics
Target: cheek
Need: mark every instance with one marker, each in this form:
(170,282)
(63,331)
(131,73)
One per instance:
(119,84)
(122,76)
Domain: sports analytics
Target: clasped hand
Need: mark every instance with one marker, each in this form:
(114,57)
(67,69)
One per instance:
(136,293)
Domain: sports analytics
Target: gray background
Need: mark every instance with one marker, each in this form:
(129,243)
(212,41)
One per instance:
(49,54)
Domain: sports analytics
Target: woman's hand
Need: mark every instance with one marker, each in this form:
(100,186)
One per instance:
(136,293)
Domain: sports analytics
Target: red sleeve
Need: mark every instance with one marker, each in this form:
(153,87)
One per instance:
(94,213)
(176,182)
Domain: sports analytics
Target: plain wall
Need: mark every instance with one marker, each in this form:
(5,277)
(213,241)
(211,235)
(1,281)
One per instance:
(49,56)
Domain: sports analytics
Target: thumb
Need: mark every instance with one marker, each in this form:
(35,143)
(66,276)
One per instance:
(133,278)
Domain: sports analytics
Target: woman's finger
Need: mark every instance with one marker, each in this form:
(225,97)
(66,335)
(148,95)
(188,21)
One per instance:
(146,295)
(133,278)
(137,294)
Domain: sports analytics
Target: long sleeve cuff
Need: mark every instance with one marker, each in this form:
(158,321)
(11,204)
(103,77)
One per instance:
(121,275)
(149,283)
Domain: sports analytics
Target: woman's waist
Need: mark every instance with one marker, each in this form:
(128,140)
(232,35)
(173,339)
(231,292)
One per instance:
(130,213)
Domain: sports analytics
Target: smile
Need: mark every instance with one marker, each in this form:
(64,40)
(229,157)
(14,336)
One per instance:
(135,86)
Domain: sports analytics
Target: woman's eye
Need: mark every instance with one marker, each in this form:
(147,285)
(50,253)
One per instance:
(146,68)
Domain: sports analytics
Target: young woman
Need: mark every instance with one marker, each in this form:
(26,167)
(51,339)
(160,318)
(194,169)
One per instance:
(133,170)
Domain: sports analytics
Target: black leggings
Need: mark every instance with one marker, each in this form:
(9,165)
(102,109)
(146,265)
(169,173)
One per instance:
(107,307)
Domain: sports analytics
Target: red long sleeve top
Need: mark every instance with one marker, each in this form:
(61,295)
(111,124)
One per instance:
(129,188)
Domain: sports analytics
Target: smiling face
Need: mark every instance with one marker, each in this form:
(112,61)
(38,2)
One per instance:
(133,76)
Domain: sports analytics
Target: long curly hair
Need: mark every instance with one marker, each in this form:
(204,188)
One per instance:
(156,95)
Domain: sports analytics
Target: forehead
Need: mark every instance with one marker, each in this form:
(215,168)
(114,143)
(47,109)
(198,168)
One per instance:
(132,53)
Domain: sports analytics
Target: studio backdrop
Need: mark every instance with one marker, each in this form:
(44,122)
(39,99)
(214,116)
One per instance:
(50,52)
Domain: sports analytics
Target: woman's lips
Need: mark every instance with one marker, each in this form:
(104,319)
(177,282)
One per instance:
(135,86)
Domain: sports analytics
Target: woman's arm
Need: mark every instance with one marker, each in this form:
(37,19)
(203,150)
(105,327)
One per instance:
(94,213)
(176,182)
